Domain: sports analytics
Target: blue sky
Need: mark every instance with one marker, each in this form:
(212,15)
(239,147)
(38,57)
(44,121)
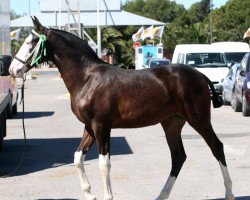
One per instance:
(21,6)
(188,3)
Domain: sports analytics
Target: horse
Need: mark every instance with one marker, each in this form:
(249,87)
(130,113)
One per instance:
(105,97)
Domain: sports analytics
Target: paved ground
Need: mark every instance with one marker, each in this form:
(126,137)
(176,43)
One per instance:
(140,157)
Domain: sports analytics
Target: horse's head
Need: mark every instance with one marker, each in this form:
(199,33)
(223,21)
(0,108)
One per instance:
(32,52)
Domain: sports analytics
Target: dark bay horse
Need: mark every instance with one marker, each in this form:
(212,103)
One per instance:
(104,96)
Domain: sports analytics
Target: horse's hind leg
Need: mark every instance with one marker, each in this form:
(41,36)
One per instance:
(87,141)
(205,129)
(172,128)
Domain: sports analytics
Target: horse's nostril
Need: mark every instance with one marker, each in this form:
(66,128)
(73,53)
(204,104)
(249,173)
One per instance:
(18,72)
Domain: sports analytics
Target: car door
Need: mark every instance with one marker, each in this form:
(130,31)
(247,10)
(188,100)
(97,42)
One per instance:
(227,82)
(240,77)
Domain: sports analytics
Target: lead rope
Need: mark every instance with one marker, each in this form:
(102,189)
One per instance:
(24,135)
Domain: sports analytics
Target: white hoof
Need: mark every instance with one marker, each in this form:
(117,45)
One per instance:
(231,197)
(90,197)
(108,198)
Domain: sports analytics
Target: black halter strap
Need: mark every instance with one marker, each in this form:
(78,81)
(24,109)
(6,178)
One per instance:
(20,60)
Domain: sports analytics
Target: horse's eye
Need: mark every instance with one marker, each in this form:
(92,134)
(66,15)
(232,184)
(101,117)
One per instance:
(34,39)
(30,49)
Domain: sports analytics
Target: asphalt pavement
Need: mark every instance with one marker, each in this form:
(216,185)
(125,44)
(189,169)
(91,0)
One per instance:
(140,158)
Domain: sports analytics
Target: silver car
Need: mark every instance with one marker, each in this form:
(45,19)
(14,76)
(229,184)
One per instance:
(228,84)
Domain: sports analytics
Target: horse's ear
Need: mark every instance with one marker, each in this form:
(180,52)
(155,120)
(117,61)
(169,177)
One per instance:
(38,26)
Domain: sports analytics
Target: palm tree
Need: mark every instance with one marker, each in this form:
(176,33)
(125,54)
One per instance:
(112,39)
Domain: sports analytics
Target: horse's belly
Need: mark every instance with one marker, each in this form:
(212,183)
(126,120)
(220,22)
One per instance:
(140,115)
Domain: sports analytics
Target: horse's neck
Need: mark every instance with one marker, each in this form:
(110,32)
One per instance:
(73,70)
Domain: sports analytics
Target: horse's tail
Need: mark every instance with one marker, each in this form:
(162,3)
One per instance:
(216,99)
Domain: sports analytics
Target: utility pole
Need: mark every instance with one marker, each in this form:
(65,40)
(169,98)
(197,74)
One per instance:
(211,21)
(29,7)
(98,29)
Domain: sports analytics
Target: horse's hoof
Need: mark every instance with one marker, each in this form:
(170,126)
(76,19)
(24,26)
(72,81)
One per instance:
(231,197)
(162,198)
(90,197)
(108,198)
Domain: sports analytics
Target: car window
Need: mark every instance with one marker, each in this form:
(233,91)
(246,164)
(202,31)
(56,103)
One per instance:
(234,56)
(230,73)
(179,58)
(248,63)
(206,60)
(182,58)
(243,65)
(156,63)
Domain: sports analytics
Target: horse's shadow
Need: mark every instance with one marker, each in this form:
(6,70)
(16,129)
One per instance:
(236,198)
(35,114)
(42,154)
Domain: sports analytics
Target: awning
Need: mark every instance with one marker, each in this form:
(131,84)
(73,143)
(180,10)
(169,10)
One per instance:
(88,19)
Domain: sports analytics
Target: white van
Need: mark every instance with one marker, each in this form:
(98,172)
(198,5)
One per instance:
(205,59)
(234,51)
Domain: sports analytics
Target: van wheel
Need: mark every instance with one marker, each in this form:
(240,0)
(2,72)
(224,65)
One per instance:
(245,107)
(14,108)
(9,111)
(2,129)
(235,103)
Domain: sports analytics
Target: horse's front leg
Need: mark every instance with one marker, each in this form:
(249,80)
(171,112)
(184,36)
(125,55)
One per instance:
(87,141)
(102,135)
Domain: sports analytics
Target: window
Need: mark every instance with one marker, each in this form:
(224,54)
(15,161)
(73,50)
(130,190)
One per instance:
(243,65)
(206,59)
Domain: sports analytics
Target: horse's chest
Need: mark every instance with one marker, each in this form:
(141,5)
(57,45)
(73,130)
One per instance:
(81,107)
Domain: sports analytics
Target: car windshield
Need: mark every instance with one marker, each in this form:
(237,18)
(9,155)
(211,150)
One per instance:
(206,60)
(159,62)
(234,57)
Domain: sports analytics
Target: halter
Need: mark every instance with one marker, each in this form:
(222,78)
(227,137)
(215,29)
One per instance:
(35,51)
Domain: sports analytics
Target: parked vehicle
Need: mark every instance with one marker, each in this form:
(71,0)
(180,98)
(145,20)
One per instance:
(156,62)
(8,88)
(205,59)
(241,92)
(144,53)
(8,95)
(228,84)
(234,51)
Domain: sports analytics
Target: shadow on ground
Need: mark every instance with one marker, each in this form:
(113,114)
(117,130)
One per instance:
(237,198)
(35,114)
(56,199)
(47,153)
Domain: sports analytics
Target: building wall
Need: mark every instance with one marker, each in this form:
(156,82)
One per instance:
(4,27)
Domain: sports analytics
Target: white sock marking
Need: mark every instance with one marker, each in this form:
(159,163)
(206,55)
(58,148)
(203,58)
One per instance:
(78,161)
(227,182)
(167,188)
(105,165)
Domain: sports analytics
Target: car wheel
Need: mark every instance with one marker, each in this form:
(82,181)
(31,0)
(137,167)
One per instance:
(245,107)
(235,103)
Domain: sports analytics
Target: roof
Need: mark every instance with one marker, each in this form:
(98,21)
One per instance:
(88,19)
(231,46)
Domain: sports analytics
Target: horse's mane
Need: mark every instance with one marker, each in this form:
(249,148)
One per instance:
(83,49)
